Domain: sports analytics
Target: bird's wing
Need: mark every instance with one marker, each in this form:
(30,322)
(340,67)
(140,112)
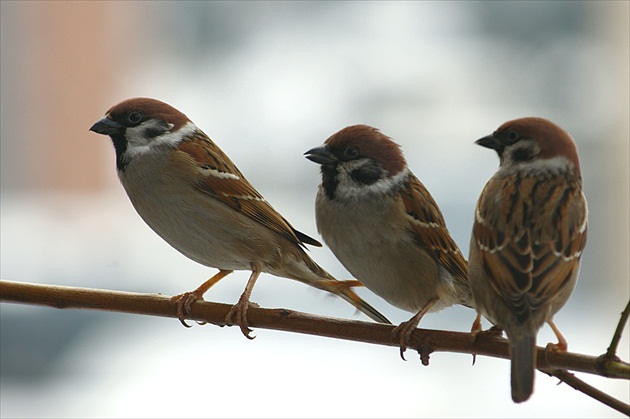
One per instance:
(220,178)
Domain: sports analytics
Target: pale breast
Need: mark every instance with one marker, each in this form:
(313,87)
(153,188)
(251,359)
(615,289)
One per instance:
(192,221)
(376,248)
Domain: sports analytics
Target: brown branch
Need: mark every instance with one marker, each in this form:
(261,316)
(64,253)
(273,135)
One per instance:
(577,384)
(611,353)
(423,340)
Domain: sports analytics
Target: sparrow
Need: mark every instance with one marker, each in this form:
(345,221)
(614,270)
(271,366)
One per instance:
(194,197)
(527,239)
(385,227)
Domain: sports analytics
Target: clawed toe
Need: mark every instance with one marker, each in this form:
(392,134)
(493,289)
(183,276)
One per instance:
(183,304)
(403,333)
(239,311)
(556,347)
(562,344)
(405,329)
(477,330)
(495,330)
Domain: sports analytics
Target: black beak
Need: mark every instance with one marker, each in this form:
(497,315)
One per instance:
(106,126)
(321,155)
(490,142)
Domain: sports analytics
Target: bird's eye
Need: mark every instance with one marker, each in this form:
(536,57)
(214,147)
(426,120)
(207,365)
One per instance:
(134,117)
(512,136)
(351,152)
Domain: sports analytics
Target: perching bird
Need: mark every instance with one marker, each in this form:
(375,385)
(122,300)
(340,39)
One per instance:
(192,195)
(527,240)
(385,227)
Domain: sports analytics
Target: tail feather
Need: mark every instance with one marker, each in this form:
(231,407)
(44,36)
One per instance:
(362,305)
(325,281)
(523,364)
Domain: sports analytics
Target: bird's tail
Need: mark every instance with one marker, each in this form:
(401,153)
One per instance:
(343,289)
(317,277)
(523,364)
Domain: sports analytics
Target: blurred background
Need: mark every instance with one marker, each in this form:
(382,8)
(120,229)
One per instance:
(268,81)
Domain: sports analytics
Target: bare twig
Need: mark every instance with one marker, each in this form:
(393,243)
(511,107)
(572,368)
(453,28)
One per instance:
(612,349)
(422,340)
(589,390)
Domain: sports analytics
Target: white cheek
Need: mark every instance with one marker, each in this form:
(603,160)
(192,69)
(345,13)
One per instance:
(350,189)
(554,165)
(139,144)
(135,136)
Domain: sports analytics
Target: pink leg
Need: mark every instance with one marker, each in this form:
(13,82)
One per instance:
(562,344)
(240,308)
(406,328)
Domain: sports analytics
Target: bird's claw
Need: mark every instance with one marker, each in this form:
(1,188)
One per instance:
(183,304)
(240,310)
(403,331)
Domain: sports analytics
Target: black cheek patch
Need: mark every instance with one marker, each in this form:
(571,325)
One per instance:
(153,132)
(367,174)
(156,130)
(522,155)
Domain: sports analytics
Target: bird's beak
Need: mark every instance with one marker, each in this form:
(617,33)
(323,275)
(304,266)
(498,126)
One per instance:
(106,126)
(490,141)
(321,155)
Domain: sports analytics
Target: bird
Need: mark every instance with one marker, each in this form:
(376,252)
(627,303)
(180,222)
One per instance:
(527,239)
(384,226)
(195,198)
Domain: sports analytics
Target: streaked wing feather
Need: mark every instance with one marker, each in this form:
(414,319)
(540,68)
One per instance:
(219,177)
(429,229)
(528,259)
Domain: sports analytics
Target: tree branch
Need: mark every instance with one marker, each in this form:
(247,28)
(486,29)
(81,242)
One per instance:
(612,349)
(423,340)
(576,383)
